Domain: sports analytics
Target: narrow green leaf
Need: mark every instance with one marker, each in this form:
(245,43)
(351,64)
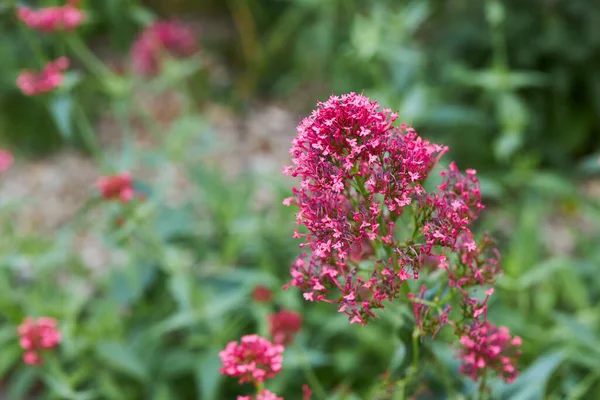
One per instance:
(121,358)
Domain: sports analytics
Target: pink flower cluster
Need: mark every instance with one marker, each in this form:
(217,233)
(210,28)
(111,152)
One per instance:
(428,322)
(36,83)
(284,325)
(158,40)
(358,176)
(37,336)
(52,19)
(262,395)
(254,359)
(6,160)
(486,346)
(262,294)
(118,186)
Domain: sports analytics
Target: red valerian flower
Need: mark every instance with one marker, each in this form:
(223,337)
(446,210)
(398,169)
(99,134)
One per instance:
(484,346)
(254,359)
(52,19)
(161,38)
(119,186)
(36,336)
(6,160)
(306,392)
(361,179)
(358,173)
(262,294)
(35,83)
(284,325)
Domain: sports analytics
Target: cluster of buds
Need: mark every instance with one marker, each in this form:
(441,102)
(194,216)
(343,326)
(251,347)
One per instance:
(486,346)
(35,83)
(284,325)
(52,19)
(158,40)
(37,336)
(116,187)
(358,175)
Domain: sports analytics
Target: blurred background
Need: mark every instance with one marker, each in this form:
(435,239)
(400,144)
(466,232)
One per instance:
(512,86)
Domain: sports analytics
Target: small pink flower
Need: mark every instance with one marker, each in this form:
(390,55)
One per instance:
(6,160)
(159,39)
(262,294)
(52,19)
(486,346)
(37,336)
(35,83)
(284,325)
(306,392)
(119,186)
(253,360)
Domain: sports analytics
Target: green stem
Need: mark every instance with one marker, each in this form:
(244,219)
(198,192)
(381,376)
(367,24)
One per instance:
(88,135)
(122,112)
(310,375)
(482,388)
(415,349)
(88,58)
(34,45)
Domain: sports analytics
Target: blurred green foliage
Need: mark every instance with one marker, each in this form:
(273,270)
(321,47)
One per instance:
(512,86)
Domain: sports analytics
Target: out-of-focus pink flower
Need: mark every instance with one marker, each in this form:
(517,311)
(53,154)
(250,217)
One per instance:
(161,38)
(284,325)
(35,83)
(486,346)
(254,359)
(262,395)
(52,19)
(37,336)
(119,186)
(262,294)
(6,160)
(306,392)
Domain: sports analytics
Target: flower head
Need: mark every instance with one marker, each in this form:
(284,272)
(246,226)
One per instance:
(35,83)
(284,325)
(262,294)
(52,19)
(357,174)
(159,39)
(486,346)
(254,359)
(6,160)
(119,186)
(38,335)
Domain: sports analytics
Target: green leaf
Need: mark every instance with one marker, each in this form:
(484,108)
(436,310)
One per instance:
(543,271)
(531,385)
(142,15)
(60,108)
(21,383)
(162,392)
(208,376)
(121,358)
(181,288)
(398,356)
(9,358)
